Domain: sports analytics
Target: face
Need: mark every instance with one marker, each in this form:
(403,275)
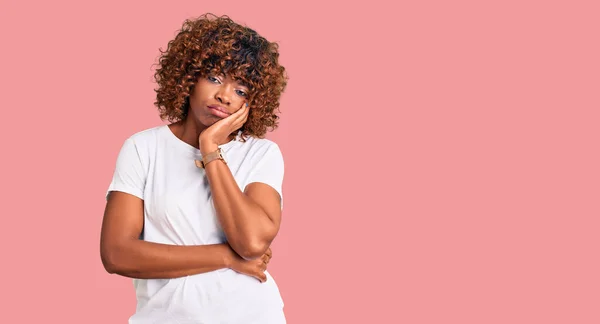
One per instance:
(215,97)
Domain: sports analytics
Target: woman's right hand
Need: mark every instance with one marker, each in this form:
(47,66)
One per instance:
(254,268)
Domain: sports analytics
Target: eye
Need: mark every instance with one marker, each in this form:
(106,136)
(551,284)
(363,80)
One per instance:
(213,79)
(241,93)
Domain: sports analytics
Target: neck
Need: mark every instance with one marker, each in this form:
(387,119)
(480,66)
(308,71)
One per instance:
(188,130)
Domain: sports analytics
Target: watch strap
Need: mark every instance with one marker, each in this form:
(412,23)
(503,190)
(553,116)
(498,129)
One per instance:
(212,156)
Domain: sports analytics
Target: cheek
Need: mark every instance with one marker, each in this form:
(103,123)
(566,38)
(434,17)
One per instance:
(197,100)
(239,102)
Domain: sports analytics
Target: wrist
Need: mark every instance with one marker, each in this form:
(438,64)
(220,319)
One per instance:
(228,258)
(208,147)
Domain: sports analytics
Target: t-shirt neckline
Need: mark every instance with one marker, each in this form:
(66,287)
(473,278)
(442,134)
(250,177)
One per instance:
(181,145)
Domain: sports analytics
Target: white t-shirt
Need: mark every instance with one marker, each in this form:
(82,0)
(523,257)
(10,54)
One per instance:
(159,168)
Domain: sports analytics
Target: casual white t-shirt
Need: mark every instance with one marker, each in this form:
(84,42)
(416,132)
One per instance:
(159,168)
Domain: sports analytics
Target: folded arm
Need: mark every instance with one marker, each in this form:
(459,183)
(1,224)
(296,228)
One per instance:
(123,253)
(250,219)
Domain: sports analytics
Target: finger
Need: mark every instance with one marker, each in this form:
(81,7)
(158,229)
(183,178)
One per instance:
(241,119)
(234,117)
(245,112)
(245,117)
(239,112)
(242,110)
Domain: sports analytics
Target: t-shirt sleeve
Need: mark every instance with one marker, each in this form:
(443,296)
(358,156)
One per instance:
(269,169)
(129,175)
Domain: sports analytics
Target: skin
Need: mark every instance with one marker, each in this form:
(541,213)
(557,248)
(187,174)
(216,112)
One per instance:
(250,219)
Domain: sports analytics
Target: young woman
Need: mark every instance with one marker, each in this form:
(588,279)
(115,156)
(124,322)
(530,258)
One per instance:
(193,206)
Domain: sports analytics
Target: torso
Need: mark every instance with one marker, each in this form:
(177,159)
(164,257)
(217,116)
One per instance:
(178,209)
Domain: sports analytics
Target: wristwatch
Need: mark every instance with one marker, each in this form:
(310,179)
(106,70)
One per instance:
(212,156)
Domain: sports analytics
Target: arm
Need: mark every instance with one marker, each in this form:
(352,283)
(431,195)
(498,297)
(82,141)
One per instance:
(123,253)
(250,219)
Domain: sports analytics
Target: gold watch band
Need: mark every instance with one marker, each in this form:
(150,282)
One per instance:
(212,156)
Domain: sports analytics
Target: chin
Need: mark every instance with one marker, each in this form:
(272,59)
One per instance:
(208,120)
(202,119)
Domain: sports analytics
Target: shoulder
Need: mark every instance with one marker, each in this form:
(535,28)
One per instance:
(140,144)
(146,135)
(143,140)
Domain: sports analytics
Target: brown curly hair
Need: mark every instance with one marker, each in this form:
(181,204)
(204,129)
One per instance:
(217,45)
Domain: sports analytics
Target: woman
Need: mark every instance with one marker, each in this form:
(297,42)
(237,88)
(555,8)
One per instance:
(194,205)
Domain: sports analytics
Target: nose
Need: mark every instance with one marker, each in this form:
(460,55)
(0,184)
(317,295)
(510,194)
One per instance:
(223,95)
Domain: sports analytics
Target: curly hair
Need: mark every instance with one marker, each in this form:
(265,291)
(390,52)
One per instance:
(217,45)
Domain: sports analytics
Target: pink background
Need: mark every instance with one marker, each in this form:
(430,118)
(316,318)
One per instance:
(442,157)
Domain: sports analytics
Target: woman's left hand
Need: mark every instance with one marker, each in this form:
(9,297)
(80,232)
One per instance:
(218,133)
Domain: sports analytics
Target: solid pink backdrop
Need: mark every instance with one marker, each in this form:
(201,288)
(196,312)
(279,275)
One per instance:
(442,158)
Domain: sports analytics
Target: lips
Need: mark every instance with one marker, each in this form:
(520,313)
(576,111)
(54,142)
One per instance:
(219,111)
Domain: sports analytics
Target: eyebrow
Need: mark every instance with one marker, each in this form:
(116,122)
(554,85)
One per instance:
(238,81)
(242,83)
